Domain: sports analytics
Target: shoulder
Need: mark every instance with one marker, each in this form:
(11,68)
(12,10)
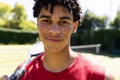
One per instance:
(32,67)
(109,76)
(90,63)
(93,68)
(35,61)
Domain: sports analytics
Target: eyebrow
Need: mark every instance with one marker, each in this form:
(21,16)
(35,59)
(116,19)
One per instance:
(44,16)
(65,17)
(49,17)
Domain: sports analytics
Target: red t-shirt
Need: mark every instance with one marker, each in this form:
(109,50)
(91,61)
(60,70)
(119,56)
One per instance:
(80,69)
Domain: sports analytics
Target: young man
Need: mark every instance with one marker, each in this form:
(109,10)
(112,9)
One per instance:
(56,21)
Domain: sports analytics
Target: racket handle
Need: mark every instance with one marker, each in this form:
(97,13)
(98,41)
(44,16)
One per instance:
(17,74)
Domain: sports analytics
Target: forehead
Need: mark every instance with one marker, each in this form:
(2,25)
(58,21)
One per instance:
(57,10)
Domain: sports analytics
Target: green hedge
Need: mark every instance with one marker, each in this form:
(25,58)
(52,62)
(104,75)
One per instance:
(8,36)
(109,39)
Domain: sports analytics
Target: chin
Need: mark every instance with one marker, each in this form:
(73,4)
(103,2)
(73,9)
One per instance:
(54,49)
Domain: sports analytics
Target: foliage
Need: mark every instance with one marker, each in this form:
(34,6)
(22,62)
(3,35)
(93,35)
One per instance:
(91,21)
(15,18)
(5,10)
(18,17)
(2,23)
(17,36)
(109,39)
(116,22)
(28,25)
(19,12)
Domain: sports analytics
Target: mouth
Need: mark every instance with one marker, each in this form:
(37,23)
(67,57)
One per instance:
(54,39)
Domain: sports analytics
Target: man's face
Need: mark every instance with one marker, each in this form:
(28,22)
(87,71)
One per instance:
(55,28)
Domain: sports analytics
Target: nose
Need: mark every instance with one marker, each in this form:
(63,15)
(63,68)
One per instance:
(54,29)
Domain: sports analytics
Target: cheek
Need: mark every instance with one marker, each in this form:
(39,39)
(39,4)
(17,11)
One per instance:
(41,30)
(68,31)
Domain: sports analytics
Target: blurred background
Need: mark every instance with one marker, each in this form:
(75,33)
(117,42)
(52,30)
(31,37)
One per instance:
(100,25)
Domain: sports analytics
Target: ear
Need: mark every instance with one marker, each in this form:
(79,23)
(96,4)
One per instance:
(37,23)
(75,26)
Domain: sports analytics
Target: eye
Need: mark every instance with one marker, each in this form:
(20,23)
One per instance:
(63,22)
(45,21)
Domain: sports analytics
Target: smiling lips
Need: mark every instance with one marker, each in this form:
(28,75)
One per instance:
(54,39)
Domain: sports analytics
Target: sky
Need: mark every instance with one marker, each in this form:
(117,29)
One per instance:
(99,7)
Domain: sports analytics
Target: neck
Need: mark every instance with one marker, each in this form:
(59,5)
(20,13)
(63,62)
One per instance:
(56,62)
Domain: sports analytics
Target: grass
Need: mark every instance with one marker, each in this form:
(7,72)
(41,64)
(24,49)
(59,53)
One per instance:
(12,55)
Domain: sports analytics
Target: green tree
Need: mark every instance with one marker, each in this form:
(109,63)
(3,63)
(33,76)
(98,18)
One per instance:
(91,21)
(19,19)
(15,17)
(5,10)
(18,15)
(19,12)
(28,25)
(116,21)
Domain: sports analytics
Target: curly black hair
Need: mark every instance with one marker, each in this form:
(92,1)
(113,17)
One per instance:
(71,5)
